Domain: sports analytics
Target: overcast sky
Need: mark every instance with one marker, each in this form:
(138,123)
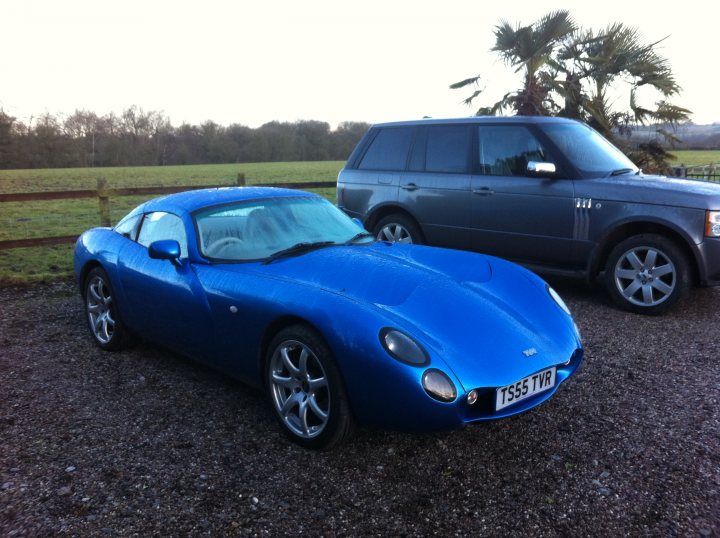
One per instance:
(250,62)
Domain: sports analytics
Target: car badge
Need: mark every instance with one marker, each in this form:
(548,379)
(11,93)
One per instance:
(530,352)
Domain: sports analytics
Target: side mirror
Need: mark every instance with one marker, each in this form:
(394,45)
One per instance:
(536,168)
(166,249)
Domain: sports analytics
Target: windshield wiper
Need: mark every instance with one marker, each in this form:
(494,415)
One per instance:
(298,248)
(355,237)
(621,171)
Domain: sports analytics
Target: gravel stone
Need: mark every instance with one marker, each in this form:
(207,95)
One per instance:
(629,447)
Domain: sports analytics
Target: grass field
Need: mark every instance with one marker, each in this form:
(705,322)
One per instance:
(65,217)
(695,157)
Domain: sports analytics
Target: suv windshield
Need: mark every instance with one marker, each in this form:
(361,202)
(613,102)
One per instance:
(591,154)
(259,229)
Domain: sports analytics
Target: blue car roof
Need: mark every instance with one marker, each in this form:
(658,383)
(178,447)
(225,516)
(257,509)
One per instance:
(190,201)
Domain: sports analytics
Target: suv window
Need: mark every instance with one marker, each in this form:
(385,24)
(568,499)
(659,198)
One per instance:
(505,150)
(389,149)
(448,149)
(160,225)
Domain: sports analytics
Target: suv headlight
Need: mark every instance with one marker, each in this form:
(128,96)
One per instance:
(403,348)
(712,224)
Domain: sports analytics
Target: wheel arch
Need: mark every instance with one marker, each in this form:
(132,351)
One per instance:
(272,329)
(628,229)
(383,211)
(85,271)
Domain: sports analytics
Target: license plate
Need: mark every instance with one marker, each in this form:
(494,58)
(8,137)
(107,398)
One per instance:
(525,388)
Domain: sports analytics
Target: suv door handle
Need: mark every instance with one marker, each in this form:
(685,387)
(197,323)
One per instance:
(483,191)
(409,187)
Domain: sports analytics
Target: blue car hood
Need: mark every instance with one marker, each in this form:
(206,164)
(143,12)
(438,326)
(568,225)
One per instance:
(474,313)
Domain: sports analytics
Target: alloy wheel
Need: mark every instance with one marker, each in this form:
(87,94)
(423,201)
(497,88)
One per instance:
(299,389)
(645,276)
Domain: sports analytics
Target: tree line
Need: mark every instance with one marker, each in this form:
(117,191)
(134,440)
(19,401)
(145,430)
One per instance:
(137,137)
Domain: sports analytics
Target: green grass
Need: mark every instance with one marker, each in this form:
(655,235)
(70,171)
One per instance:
(21,220)
(695,157)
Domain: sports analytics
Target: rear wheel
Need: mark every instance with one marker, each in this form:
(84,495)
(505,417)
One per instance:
(647,274)
(398,228)
(306,390)
(102,312)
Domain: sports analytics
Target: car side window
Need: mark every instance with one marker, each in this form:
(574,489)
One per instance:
(128,226)
(160,225)
(388,150)
(448,149)
(505,150)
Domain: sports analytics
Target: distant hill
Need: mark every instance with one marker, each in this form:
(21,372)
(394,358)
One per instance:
(691,136)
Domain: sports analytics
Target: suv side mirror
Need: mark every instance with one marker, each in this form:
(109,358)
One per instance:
(536,168)
(166,249)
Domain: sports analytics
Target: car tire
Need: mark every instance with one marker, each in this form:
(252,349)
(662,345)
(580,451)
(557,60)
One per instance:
(398,228)
(101,310)
(306,390)
(647,274)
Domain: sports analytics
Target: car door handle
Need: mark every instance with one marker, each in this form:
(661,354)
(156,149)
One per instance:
(409,187)
(483,191)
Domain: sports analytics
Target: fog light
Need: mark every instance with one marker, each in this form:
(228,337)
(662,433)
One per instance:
(438,385)
(472,397)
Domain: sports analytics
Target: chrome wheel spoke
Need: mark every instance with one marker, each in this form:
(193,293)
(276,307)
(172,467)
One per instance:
(627,274)
(662,287)
(285,382)
(650,259)
(303,416)
(291,368)
(317,384)
(647,294)
(633,259)
(632,288)
(289,404)
(315,407)
(386,234)
(663,270)
(303,363)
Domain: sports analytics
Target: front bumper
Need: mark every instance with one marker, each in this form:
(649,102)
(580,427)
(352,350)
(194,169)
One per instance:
(708,260)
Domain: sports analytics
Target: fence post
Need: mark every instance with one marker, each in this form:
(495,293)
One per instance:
(241,179)
(103,202)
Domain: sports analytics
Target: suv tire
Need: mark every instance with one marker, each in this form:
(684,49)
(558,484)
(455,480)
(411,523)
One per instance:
(398,228)
(647,274)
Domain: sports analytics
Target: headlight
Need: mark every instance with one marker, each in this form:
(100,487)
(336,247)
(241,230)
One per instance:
(712,224)
(439,386)
(403,348)
(558,300)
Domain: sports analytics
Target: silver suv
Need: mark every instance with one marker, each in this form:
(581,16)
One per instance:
(549,193)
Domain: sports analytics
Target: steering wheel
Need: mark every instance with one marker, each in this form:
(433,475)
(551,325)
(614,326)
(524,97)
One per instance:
(221,244)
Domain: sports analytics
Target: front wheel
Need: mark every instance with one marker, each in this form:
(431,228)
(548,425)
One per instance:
(306,390)
(398,228)
(647,274)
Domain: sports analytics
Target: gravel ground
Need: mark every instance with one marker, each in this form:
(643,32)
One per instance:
(146,443)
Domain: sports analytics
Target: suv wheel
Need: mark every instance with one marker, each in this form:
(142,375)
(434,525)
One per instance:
(647,274)
(398,228)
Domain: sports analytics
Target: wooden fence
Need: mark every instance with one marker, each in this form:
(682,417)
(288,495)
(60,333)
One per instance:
(103,195)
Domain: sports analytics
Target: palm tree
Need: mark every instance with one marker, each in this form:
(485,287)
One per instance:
(586,69)
(528,49)
(596,65)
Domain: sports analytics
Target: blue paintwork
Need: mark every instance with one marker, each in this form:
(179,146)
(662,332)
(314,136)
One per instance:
(473,314)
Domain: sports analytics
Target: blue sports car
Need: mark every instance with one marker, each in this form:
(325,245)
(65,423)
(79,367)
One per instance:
(280,289)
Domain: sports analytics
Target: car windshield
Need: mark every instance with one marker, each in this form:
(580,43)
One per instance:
(260,229)
(585,148)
